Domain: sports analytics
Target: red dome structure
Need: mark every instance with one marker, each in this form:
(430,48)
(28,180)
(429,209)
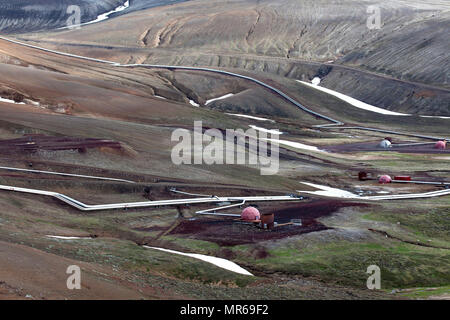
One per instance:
(250,214)
(441,145)
(385,179)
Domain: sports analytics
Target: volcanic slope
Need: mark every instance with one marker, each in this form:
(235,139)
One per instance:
(398,67)
(139,108)
(32,15)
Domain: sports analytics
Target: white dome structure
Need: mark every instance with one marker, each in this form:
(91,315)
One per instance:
(385,144)
(316,81)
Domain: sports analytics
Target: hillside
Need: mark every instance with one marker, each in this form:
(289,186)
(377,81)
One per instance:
(31,15)
(396,67)
(94,123)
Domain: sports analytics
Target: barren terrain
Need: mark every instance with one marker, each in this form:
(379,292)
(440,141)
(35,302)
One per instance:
(101,133)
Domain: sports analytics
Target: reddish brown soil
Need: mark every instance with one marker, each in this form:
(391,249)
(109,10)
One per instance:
(230,232)
(35,143)
(28,273)
(374,146)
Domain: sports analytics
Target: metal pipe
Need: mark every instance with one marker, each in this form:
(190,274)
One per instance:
(205,212)
(174,190)
(65,174)
(391,132)
(85,207)
(423,182)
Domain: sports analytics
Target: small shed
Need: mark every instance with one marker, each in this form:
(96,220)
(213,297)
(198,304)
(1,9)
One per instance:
(363,176)
(267,221)
(402,178)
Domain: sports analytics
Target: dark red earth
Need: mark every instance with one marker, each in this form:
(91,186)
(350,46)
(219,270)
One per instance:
(230,232)
(37,142)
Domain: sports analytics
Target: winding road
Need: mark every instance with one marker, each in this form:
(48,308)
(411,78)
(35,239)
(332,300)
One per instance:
(154,66)
(334,124)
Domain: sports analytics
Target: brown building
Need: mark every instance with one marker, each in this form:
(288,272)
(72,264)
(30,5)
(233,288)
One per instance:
(267,221)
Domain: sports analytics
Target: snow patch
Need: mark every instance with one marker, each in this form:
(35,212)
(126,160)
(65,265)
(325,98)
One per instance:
(106,15)
(250,117)
(103,16)
(10,101)
(296,145)
(220,98)
(219,262)
(329,191)
(195,104)
(354,102)
(270,131)
(24,102)
(316,81)
(67,238)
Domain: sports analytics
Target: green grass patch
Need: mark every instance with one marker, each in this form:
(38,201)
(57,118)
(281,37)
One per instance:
(425,292)
(402,265)
(198,246)
(433,223)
